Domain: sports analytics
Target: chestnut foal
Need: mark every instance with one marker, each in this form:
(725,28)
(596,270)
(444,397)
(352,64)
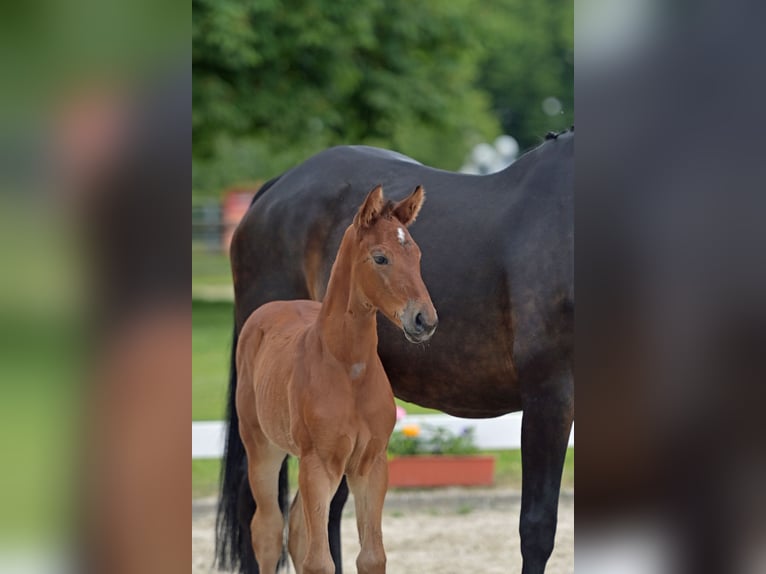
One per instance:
(312,385)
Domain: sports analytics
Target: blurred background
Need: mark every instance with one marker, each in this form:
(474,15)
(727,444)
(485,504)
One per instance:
(95,140)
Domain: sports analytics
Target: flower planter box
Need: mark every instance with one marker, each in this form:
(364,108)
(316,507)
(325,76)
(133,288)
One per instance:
(420,471)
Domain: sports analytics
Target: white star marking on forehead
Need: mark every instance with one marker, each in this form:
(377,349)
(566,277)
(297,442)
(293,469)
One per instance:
(400,234)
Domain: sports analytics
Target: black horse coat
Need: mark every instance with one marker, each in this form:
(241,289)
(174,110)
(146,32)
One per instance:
(497,259)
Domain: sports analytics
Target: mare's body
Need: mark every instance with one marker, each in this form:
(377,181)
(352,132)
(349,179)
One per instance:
(499,269)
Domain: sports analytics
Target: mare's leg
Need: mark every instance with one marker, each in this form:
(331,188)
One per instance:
(263,462)
(369,493)
(318,479)
(546,424)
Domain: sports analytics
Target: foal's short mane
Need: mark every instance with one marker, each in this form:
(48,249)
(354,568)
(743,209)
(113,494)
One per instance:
(387,211)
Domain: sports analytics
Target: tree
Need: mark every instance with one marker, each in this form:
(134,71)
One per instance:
(278,80)
(286,79)
(529,56)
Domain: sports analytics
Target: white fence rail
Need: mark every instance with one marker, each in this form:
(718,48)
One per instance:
(499,433)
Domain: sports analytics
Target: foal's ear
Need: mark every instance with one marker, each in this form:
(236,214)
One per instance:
(407,209)
(371,208)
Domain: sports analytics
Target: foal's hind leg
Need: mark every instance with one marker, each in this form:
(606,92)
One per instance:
(263,462)
(369,493)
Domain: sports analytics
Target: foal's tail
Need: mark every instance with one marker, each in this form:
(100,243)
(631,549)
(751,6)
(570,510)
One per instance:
(233,547)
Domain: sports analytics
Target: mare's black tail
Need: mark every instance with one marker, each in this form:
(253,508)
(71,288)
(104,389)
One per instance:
(233,548)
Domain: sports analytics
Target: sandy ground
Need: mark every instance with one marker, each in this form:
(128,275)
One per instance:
(450,531)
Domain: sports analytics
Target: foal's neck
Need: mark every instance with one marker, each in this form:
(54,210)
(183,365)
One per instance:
(347,322)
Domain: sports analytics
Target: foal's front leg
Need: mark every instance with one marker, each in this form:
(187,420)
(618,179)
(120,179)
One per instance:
(369,491)
(317,480)
(297,539)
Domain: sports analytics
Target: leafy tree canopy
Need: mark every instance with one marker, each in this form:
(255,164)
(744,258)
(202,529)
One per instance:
(275,81)
(529,58)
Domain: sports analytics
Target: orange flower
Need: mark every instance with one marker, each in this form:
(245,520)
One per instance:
(411,431)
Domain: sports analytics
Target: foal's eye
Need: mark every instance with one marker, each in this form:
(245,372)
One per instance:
(380,259)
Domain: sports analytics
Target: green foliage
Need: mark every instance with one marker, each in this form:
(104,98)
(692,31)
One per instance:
(433,440)
(278,80)
(288,75)
(529,56)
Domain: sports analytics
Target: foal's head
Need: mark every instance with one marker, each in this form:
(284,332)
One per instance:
(387,263)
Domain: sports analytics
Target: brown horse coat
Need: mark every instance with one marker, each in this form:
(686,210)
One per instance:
(312,385)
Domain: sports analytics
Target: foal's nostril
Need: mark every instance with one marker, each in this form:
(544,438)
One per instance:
(419,322)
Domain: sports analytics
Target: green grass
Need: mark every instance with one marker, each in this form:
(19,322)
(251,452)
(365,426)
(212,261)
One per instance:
(413,409)
(507,472)
(508,468)
(205,474)
(212,324)
(210,268)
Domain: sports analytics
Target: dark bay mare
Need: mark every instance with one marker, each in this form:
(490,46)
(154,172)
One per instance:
(498,262)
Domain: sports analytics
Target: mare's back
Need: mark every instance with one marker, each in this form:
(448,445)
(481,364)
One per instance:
(497,253)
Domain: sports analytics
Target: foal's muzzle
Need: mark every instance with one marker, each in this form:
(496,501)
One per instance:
(419,322)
